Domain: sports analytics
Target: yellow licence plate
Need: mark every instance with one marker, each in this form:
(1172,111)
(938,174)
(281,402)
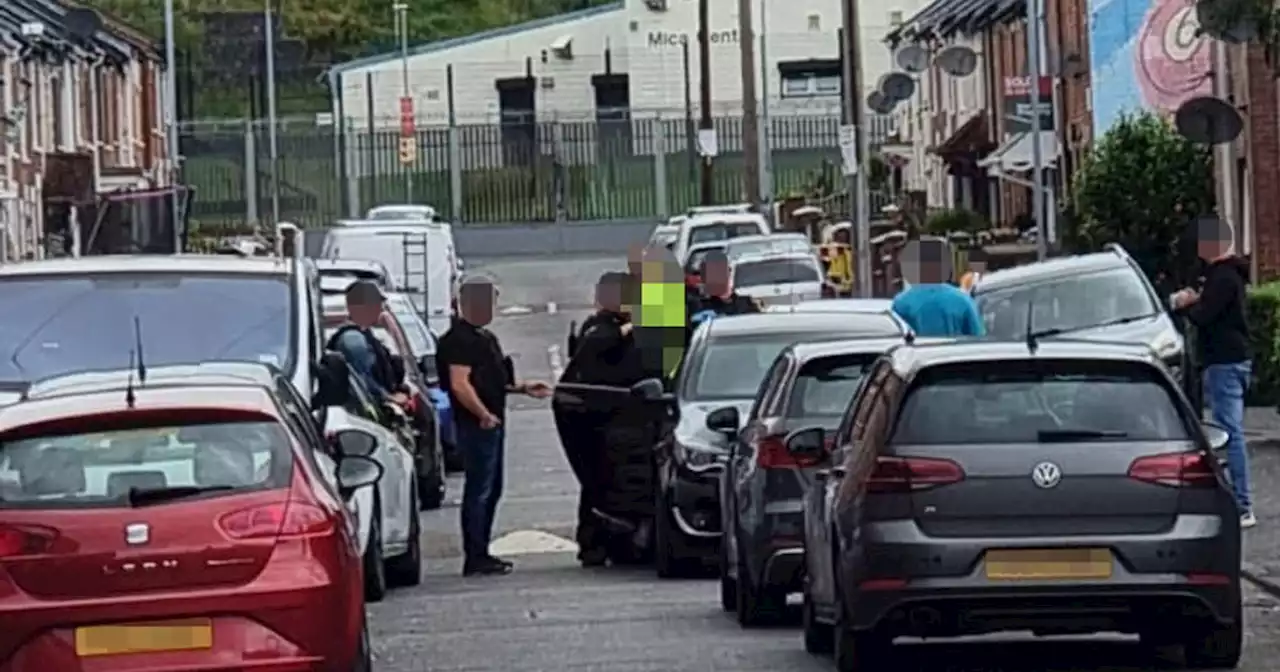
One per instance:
(109,640)
(1034,564)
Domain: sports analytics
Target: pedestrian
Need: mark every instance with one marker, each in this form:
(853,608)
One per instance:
(931,305)
(717,297)
(1218,312)
(367,356)
(605,354)
(478,377)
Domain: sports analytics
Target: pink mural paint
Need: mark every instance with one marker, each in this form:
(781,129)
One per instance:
(1172,63)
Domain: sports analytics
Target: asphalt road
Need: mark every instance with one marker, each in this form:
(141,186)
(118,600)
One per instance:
(551,615)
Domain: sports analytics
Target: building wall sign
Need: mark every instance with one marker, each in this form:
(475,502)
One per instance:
(663,39)
(1018,109)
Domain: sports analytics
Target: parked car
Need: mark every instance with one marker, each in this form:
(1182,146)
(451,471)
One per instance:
(184,523)
(810,384)
(706,227)
(725,365)
(386,517)
(778,278)
(1057,487)
(775,243)
(1102,296)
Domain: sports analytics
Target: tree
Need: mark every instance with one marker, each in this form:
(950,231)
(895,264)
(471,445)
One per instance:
(1141,186)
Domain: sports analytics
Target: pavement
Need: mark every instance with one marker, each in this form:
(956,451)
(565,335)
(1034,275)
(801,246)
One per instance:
(551,615)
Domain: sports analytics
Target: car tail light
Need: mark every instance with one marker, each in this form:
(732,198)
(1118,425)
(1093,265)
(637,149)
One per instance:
(910,474)
(20,540)
(279,519)
(1177,470)
(771,453)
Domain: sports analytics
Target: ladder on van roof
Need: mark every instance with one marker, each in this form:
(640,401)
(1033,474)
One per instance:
(415,247)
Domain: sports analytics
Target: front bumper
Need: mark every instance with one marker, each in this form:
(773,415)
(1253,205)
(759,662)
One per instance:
(694,504)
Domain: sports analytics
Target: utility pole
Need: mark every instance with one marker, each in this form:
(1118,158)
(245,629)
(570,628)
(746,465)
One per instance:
(272,142)
(855,122)
(171,114)
(1035,24)
(750,118)
(766,155)
(705,126)
(402,27)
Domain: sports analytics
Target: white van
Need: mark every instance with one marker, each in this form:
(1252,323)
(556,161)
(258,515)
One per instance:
(420,257)
(706,228)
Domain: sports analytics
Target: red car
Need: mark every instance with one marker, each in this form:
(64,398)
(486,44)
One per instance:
(177,527)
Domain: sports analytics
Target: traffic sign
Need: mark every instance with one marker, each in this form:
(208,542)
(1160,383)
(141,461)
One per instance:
(406,116)
(408,151)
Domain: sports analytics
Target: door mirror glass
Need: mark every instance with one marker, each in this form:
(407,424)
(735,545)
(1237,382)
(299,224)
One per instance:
(724,420)
(355,443)
(1216,435)
(355,472)
(809,442)
(427,365)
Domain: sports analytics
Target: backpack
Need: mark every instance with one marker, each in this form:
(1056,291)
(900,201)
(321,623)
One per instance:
(388,371)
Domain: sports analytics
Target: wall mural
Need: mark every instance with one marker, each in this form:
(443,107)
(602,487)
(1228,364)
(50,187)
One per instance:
(1145,55)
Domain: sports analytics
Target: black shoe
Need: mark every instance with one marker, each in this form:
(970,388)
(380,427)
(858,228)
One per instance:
(485,567)
(501,561)
(593,557)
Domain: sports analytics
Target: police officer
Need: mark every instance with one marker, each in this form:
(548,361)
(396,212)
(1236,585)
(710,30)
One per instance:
(717,297)
(603,354)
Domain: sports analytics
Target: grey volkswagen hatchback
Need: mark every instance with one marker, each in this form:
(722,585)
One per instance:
(1060,487)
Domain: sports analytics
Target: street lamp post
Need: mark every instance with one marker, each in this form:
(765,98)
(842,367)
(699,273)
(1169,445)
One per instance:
(171,119)
(401,10)
(272,141)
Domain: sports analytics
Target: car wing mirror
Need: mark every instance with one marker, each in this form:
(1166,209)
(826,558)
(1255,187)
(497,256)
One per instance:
(649,389)
(355,443)
(1216,435)
(724,420)
(427,365)
(355,472)
(809,443)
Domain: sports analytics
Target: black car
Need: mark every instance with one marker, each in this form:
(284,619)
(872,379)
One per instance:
(1057,487)
(1101,297)
(724,367)
(762,551)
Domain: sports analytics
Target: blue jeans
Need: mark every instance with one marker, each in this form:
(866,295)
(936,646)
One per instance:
(482,457)
(1224,388)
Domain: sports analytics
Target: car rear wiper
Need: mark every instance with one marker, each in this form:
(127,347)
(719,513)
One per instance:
(1051,435)
(139,497)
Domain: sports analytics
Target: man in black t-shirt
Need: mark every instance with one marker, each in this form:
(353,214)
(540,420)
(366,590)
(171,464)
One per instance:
(478,376)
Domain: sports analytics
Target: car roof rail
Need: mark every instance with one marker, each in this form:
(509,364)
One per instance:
(1117,248)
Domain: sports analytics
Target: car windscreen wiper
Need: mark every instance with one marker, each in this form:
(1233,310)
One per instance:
(1109,323)
(139,497)
(1052,435)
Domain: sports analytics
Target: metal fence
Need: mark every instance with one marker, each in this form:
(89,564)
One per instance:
(482,173)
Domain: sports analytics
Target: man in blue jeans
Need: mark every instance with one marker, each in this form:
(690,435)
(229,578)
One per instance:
(478,377)
(1217,310)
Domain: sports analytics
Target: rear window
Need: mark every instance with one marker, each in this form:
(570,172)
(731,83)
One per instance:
(824,387)
(707,233)
(775,272)
(107,469)
(1007,402)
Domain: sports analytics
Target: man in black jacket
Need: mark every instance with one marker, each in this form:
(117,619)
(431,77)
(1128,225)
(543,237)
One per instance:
(1218,311)
(717,297)
(603,353)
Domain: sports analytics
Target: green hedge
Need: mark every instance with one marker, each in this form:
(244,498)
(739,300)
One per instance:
(1264,336)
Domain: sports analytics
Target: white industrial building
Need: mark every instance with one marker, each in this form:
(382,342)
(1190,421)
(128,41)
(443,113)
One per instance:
(618,61)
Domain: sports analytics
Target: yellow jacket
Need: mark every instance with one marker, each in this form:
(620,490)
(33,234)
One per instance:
(840,267)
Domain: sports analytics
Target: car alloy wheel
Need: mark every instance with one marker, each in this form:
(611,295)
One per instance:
(406,568)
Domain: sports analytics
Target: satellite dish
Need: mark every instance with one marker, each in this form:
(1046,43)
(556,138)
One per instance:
(957,60)
(896,86)
(912,58)
(1224,23)
(82,23)
(1208,121)
(879,103)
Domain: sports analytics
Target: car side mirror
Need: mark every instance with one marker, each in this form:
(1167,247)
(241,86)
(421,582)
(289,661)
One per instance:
(724,420)
(809,442)
(649,389)
(427,365)
(333,382)
(671,245)
(1216,435)
(355,443)
(355,472)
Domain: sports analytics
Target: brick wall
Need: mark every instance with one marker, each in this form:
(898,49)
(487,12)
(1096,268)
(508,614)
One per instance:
(1010,44)
(1069,34)
(1261,148)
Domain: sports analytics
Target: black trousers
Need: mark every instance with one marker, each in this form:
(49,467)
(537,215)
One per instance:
(582,439)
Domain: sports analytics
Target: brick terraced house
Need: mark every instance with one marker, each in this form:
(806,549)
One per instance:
(81,117)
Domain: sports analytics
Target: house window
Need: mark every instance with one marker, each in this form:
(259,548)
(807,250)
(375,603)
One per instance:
(59,127)
(810,79)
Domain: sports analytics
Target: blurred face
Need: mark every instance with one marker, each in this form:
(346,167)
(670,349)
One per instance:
(609,297)
(715,278)
(364,314)
(1214,238)
(476,302)
(924,262)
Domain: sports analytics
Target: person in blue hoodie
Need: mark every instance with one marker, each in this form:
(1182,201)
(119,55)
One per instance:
(930,304)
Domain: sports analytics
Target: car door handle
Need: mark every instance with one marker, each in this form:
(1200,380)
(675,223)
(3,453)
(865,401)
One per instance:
(837,472)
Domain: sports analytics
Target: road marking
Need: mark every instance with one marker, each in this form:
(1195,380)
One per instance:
(516,310)
(529,542)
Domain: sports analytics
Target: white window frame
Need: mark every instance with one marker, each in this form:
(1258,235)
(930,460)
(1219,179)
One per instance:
(814,85)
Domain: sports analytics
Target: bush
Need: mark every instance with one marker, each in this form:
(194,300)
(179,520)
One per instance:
(1264,339)
(952,220)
